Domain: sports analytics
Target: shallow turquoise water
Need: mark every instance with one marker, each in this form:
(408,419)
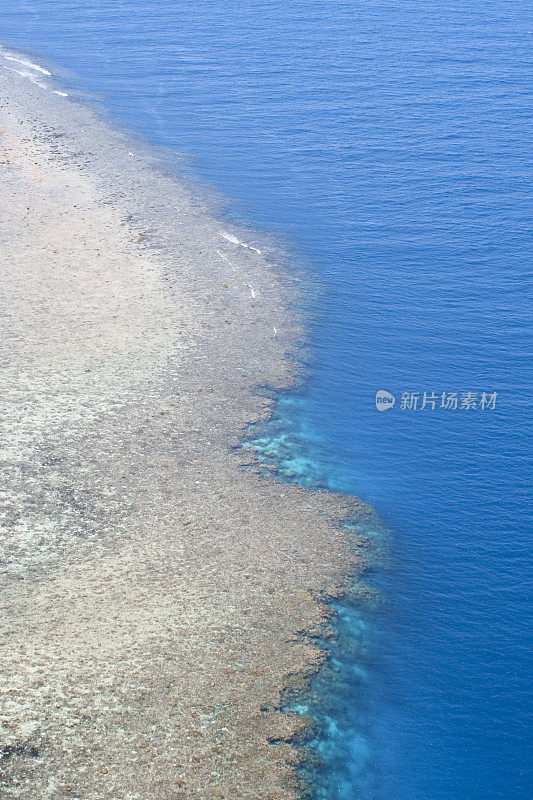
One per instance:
(389,142)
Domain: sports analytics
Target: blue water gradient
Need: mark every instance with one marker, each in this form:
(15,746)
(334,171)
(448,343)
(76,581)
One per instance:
(389,143)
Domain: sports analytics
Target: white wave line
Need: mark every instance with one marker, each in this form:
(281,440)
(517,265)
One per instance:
(29,64)
(227,260)
(27,75)
(233,239)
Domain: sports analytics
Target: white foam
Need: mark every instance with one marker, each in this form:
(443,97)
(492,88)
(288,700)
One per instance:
(226,260)
(28,75)
(230,237)
(233,239)
(29,64)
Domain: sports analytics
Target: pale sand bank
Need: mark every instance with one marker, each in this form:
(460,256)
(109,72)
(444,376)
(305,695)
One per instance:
(152,591)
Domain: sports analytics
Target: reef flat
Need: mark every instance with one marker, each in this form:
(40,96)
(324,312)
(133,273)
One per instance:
(155,588)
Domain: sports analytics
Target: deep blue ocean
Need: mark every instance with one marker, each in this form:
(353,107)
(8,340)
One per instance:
(388,142)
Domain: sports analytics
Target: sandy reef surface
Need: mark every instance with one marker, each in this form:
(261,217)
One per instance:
(153,590)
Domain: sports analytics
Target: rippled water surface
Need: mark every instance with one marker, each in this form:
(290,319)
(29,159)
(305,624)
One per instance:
(389,142)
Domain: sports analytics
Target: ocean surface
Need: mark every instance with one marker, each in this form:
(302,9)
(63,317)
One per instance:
(388,144)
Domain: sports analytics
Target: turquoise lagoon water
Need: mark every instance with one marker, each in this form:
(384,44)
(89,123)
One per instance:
(389,143)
